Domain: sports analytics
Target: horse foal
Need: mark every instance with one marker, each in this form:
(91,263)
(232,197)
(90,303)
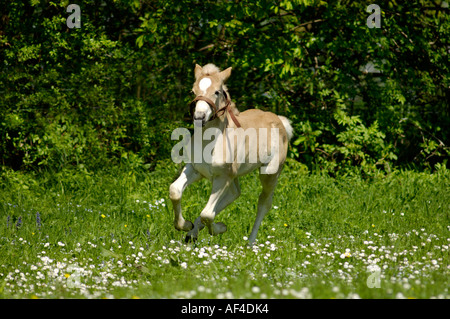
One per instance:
(262,142)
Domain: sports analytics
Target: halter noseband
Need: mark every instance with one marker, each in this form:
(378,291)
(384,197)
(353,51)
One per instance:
(214,107)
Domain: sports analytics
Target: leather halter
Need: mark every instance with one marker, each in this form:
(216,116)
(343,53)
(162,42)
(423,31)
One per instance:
(214,108)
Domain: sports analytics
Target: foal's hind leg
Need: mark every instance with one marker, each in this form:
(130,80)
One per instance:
(187,177)
(264,202)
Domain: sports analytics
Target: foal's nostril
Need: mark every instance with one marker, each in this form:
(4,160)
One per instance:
(199,118)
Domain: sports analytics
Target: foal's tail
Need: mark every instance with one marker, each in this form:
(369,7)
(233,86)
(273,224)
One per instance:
(287,125)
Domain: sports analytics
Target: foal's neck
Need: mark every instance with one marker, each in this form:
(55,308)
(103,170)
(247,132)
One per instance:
(221,122)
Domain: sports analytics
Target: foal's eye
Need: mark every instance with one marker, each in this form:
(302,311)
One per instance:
(217,93)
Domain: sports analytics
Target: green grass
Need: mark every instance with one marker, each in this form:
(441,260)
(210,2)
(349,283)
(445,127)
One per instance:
(110,235)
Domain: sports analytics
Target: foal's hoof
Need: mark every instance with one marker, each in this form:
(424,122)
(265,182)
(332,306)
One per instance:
(186,226)
(189,239)
(219,228)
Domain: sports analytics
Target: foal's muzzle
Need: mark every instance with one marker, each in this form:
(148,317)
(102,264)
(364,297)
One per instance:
(202,117)
(215,112)
(200,120)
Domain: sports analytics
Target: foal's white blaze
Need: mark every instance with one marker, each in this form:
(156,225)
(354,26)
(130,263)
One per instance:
(204,84)
(202,106)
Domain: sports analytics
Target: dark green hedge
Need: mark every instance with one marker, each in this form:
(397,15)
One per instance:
(361,99)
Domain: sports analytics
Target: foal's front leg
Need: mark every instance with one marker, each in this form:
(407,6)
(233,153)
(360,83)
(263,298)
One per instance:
(224,191)
(188,176)
(231,194)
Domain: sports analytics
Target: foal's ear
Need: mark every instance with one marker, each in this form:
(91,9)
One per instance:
(198,71)
(225,74)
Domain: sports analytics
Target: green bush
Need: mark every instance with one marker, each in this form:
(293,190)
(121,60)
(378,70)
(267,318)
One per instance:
(361,99)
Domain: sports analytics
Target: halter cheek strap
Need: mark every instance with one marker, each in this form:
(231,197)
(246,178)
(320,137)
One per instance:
(213,106)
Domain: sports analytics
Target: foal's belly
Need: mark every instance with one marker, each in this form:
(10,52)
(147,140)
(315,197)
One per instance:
(204,169)
(231,169)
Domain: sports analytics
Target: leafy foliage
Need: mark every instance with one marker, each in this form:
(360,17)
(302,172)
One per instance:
(361,99)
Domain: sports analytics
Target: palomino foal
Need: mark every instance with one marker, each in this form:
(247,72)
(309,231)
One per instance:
(258,132)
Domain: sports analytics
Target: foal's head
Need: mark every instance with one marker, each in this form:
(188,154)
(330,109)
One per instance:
(209,84)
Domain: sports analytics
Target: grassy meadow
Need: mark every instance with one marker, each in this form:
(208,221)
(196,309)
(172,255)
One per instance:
(110,235)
